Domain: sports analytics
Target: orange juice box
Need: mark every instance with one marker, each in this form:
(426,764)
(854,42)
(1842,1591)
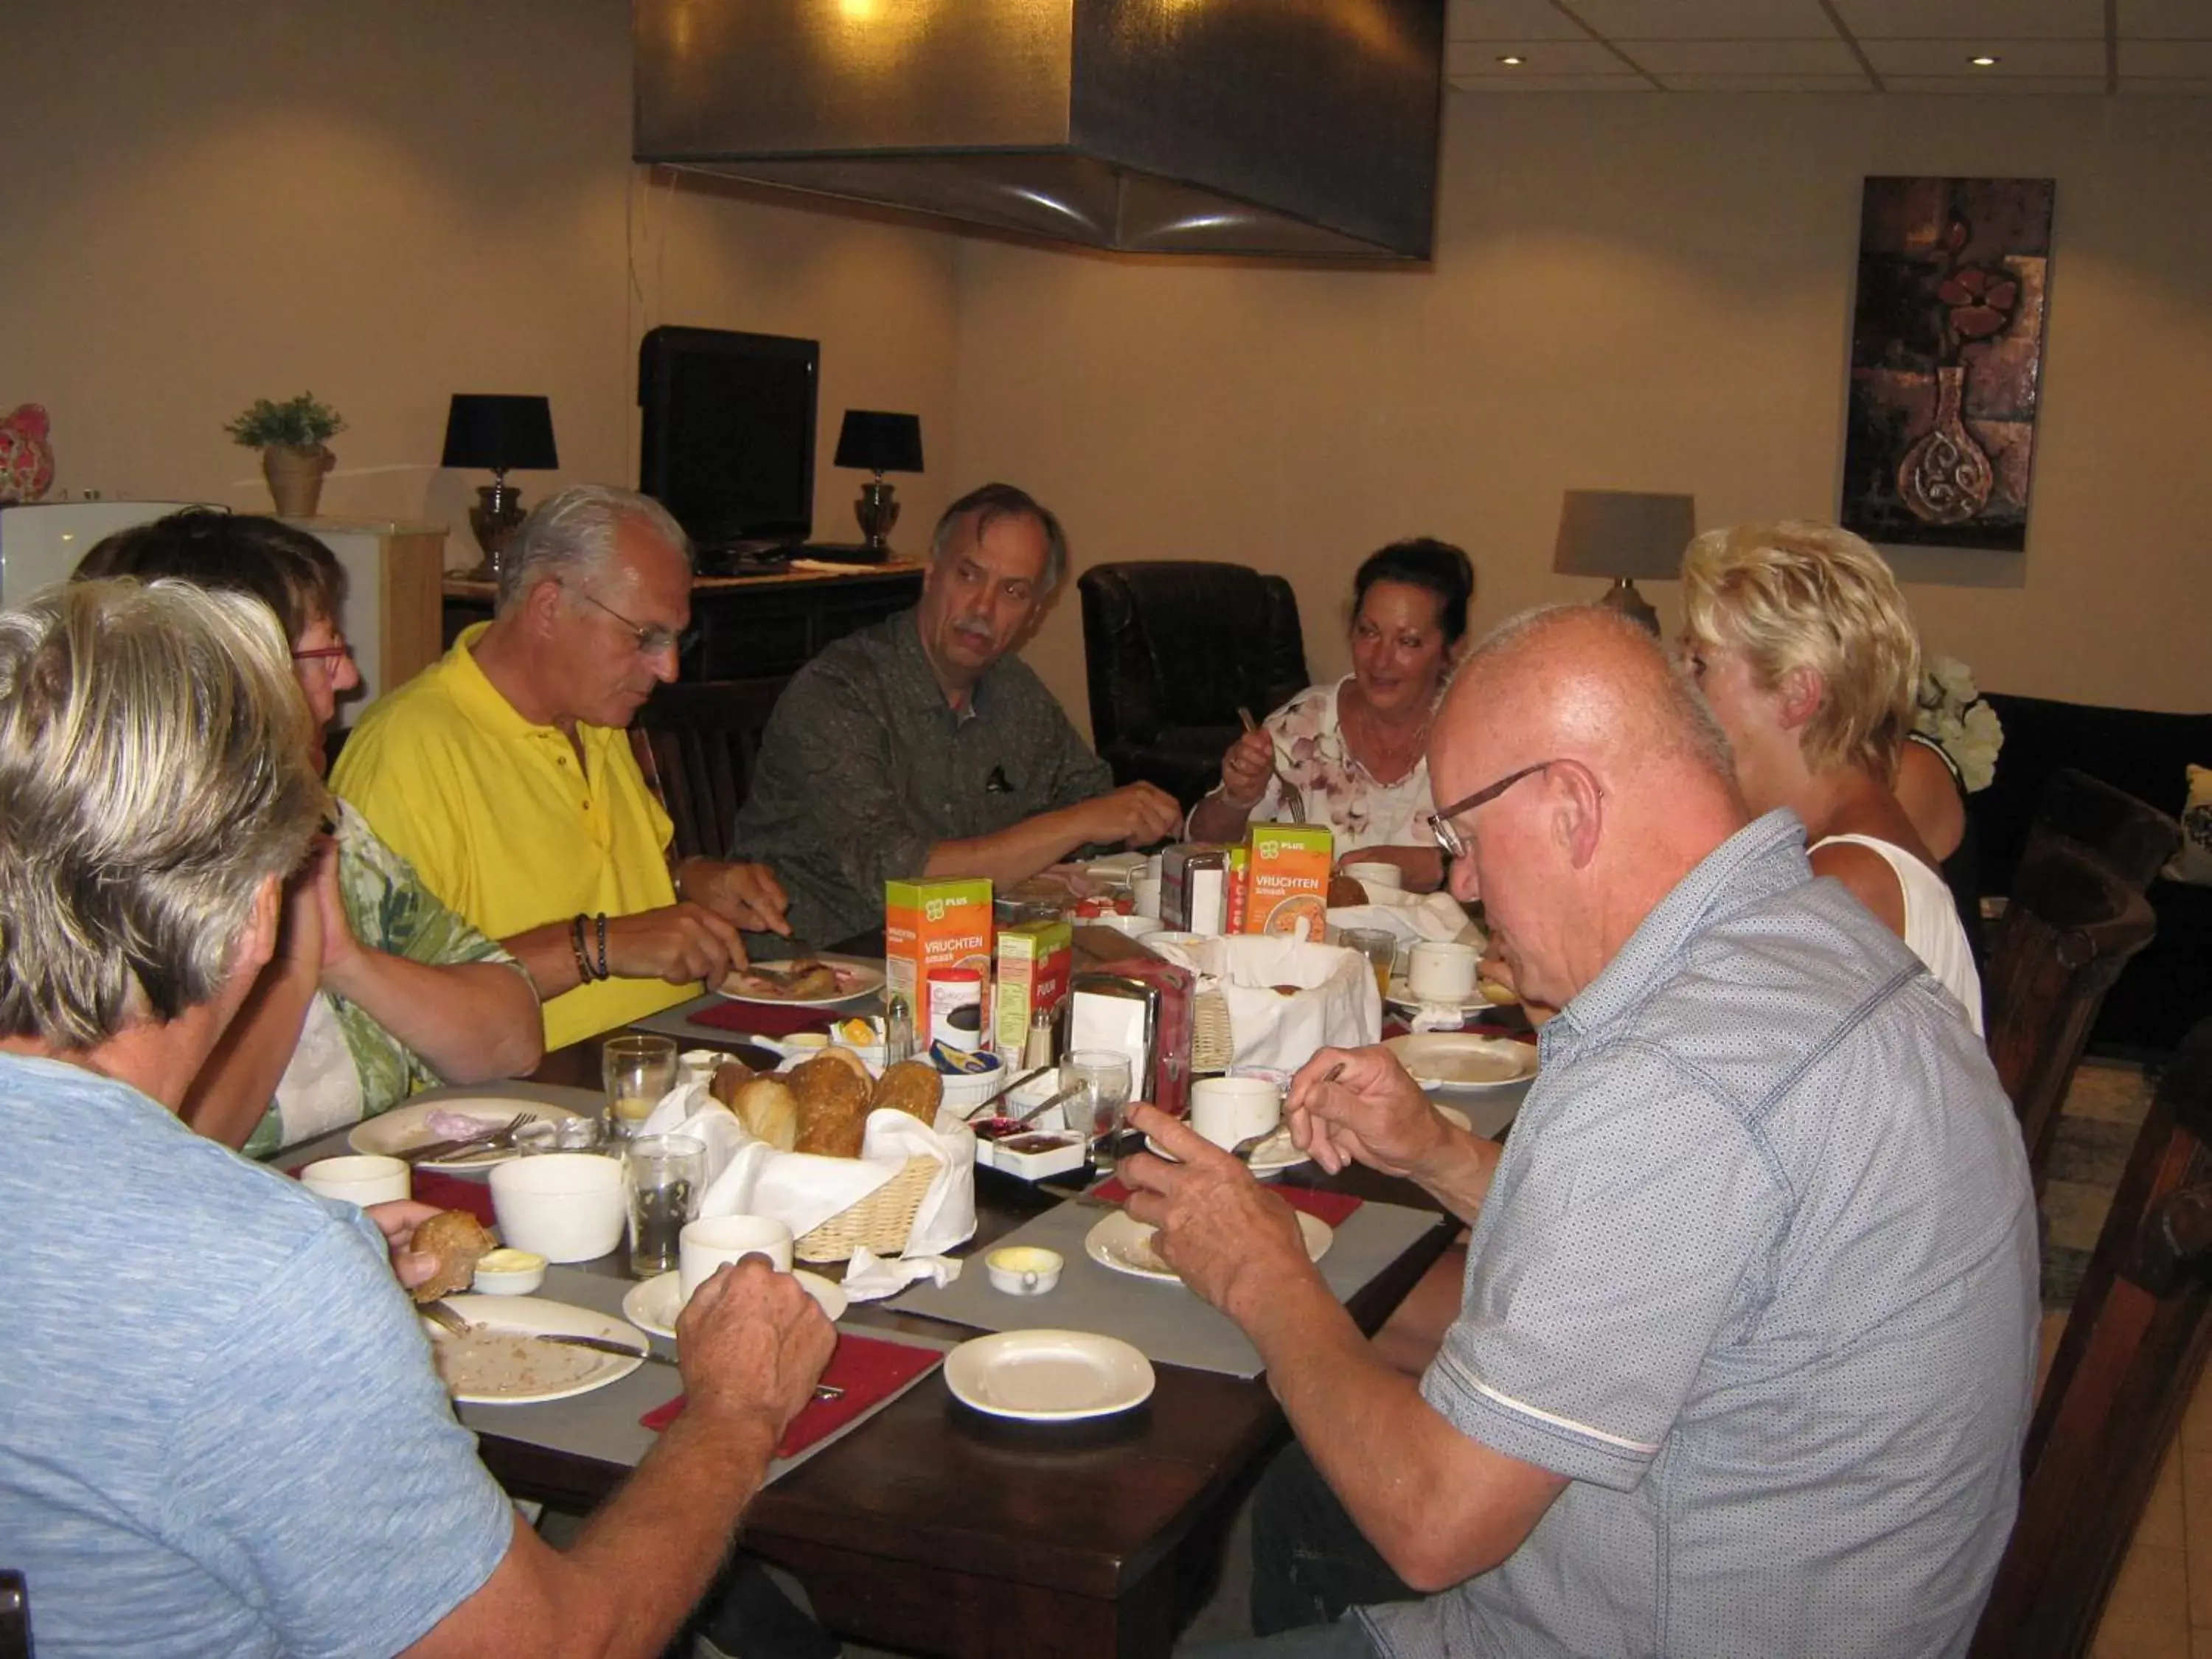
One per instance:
(931,928)
(1286,882)
(1035,959)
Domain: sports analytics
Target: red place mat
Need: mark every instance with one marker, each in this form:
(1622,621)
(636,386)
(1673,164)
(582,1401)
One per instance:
(1332,1207)
(867,1370)
(760,1019)
(451,1192)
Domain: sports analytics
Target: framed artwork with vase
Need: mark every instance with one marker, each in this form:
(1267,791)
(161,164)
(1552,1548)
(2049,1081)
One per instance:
(1947,358)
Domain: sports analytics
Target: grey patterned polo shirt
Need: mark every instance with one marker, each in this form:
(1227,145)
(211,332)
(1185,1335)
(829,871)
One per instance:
(1758,1275)
(865,767)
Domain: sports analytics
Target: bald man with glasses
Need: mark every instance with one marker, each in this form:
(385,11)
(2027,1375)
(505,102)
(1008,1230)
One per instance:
(1742,1359)
(504,774)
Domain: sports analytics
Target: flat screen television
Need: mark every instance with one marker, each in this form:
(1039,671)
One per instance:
(728,439)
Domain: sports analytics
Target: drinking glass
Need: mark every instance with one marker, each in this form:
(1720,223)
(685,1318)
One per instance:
(637,1071)
(662,1176)
(1103,1080)
(1379,946)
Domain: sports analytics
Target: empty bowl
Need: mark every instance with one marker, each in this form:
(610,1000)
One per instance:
(566,1207)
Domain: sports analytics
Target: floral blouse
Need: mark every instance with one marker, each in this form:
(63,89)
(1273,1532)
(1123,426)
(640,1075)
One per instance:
(347,1067)
(1311,753)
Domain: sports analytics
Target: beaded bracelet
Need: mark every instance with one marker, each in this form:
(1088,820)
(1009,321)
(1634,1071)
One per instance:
(603,944)
(583,957)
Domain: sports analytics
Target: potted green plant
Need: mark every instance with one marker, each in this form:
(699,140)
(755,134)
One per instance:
(290,436)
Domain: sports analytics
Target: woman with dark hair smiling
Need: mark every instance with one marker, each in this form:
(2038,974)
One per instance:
(1356,750)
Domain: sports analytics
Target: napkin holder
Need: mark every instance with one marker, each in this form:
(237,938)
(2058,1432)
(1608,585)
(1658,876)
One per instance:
(1144,1010)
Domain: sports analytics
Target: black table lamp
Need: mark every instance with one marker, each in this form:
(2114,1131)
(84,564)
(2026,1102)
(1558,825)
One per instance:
(879,443)
(500,434)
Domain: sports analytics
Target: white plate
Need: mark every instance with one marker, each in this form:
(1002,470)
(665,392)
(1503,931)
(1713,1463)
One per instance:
(855,978)
(539,1370)
(1402,996)
(401,1130)
(1048,1376)
(1273,1156)
(1459,1060)
(1125,1244)
(653,1305)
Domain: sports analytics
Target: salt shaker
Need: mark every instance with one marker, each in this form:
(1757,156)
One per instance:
(1038,1051)
(898,1029)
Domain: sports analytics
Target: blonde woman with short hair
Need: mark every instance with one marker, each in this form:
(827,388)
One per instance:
(1800,640)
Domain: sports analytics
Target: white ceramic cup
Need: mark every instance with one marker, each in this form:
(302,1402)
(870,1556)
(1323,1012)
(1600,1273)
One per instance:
(1372,876)
(709,1242)
(566,1206)
(1442,970)
(1228,1110)
(1146,892)
(362,1180)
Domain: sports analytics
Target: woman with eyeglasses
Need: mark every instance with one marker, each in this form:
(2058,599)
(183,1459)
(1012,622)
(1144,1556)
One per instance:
(1357,752)
(377,989)
(1802,643)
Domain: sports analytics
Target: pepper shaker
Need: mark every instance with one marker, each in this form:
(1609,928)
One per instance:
(1038,1050)
(898,1029)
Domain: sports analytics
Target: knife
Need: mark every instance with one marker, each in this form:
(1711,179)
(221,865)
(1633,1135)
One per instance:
(610,1344)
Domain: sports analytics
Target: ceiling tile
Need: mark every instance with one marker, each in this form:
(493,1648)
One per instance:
(2011,20)
(2154,88)
(1704,20)
(1504,82)
(2167,59)
(1766,83)
(1509,21)
(1584,57)
(1743,56)
(1965,84)
(2014,57)
(2164,20)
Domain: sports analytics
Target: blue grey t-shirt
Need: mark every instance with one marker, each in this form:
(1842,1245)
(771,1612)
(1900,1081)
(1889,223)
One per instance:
(1756,1273)
(220,1432)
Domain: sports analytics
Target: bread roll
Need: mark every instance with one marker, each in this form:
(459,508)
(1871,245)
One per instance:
(912,1086)
(457,1241)
(769,1112)
(846,1057)
(833,1107)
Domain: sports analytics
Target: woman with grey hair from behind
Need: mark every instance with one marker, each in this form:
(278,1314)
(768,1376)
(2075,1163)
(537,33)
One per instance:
(117,906)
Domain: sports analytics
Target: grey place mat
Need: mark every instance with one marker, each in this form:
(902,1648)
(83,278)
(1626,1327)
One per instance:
(1166,1322)
(604,1423)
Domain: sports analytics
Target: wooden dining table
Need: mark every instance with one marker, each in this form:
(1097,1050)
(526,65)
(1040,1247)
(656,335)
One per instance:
(931,1528)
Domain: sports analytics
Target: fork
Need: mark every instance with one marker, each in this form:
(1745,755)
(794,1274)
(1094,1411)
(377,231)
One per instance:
(1292,800)
(490,1140)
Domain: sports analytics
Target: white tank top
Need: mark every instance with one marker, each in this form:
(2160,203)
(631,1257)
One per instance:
(1933,931)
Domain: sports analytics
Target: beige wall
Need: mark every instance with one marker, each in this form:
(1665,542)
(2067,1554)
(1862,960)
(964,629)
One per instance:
(1639,293)
(387,204)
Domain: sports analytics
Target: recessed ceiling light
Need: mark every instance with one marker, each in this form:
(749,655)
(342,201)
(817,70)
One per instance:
(1985,61)
(1512,60)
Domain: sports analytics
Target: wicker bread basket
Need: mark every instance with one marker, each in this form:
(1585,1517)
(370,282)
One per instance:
(881,1221)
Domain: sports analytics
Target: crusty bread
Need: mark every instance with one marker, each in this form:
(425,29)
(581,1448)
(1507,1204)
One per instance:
(912,1086)
(1343,891)
(833,1106)
(459,1241)
(769,1112)
(850,1059)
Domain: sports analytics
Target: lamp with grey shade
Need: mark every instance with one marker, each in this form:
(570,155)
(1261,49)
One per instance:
(502,433)
(880,443)
(1624,534)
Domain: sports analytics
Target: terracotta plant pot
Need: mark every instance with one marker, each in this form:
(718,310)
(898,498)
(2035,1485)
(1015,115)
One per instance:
(295,477)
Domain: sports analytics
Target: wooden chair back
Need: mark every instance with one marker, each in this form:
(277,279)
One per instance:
(15,1616)
(2068,929)
(2134,1348)
(697,744)
(2133,838)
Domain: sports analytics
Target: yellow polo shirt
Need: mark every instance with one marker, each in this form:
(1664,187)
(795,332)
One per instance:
(495,815)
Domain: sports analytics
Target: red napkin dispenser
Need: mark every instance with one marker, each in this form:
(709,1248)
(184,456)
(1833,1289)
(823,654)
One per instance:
(1144,1010)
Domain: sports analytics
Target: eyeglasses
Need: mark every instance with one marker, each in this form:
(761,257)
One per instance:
(327,655)
(1454,844)
(651,639)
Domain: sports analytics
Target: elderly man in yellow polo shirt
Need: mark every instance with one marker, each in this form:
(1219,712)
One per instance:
(503,772)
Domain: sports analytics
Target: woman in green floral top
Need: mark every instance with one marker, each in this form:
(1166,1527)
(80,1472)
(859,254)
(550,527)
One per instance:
(377,989)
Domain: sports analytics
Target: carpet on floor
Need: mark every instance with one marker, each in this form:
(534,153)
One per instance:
(2104,1108)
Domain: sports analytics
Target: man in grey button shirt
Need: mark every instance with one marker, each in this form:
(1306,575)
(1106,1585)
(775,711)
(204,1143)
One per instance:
(1744,1349)
(923,746)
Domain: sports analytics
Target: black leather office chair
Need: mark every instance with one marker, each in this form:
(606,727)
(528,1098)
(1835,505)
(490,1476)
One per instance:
(1174,649)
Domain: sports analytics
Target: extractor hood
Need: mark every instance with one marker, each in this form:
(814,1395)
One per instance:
(1289,127)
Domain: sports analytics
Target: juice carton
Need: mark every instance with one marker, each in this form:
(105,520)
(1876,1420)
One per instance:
(1035,959)
(932,929)
(1287,880)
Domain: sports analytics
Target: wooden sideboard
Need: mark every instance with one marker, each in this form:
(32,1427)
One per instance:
(753,628)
